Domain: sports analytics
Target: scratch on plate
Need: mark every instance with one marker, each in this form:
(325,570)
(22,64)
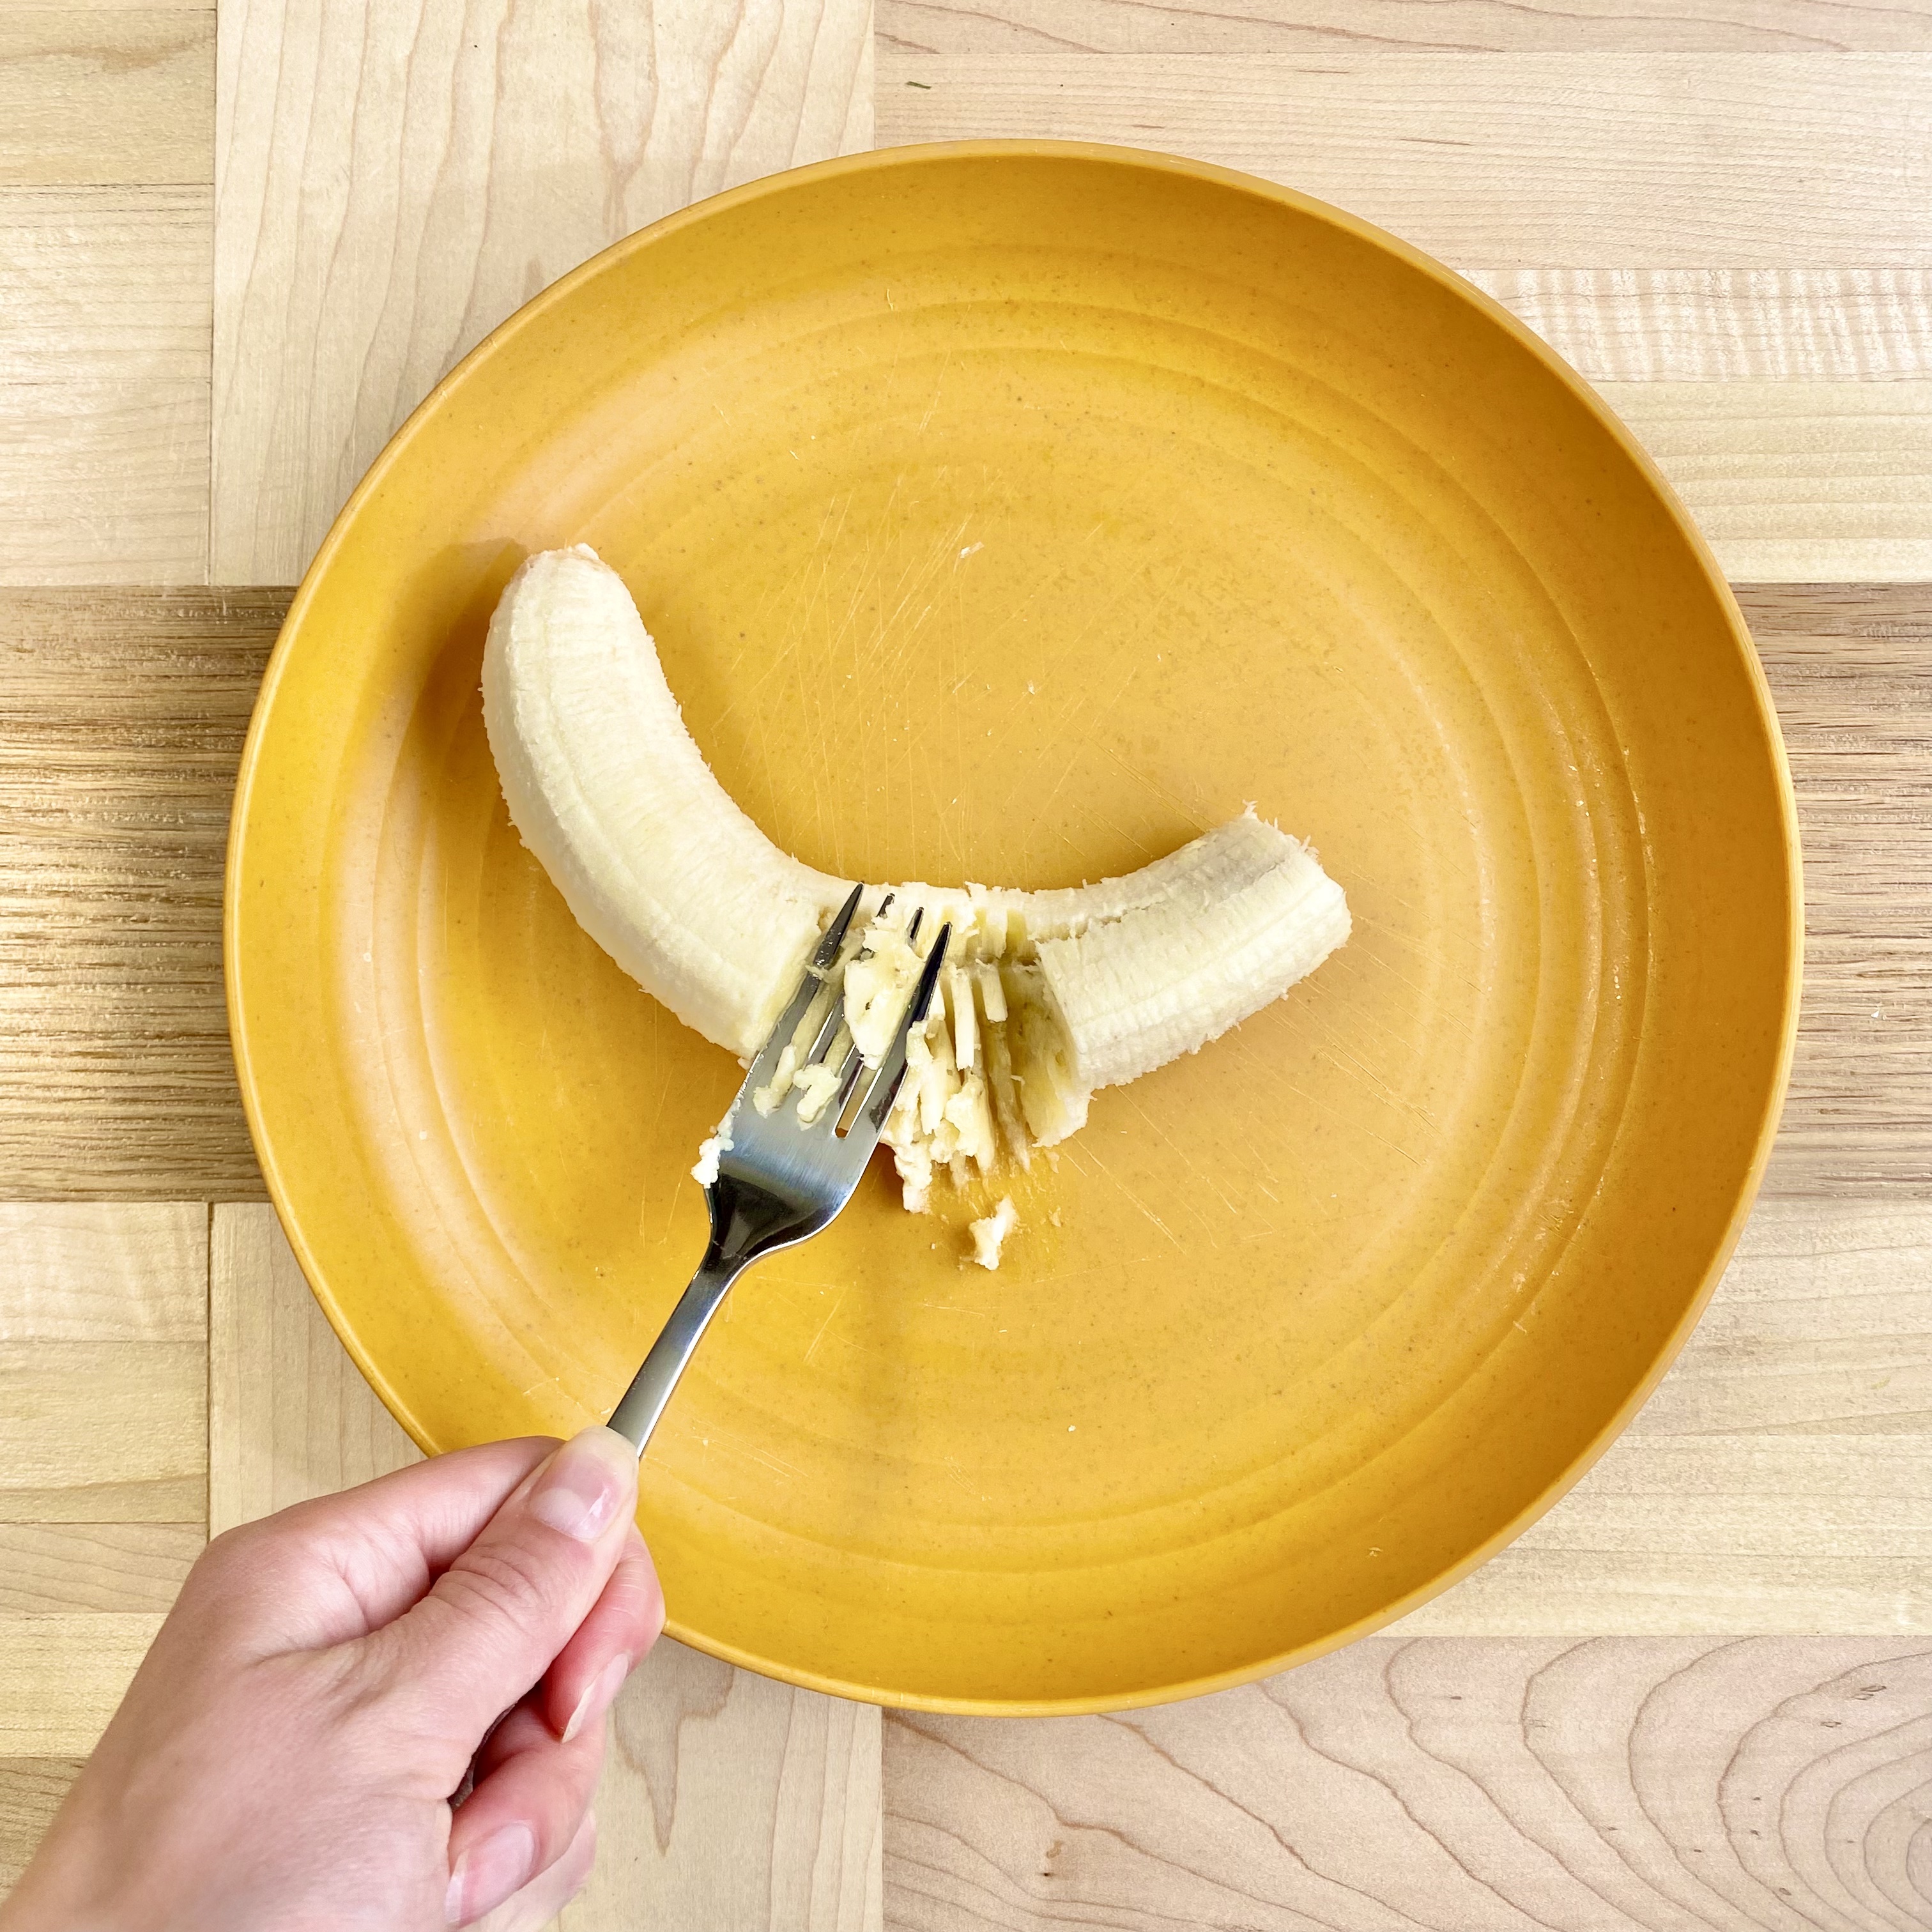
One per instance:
(843,1293)
(952,1469)
(1315,1100)
(938,387)
(1339,1055)
(1159,790)
(777,1464)
(1129,1193)
(1207,1181)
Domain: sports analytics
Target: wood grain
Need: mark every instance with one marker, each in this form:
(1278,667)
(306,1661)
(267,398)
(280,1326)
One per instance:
(102,1316)
(1020,28)
(31,1791)
(506,156)
(1719,207)
(1776,1481)
(1768,1783)
(1796,481)
(105,304)
(289,1415)
(119,95)
(103,1462)
(734,1803)
(84,1272)
(65,1677)
(47,1569)
(121,719)
(103,1432)
(1849,668)
(115,1080)
(1505,160)
(728,1801)
(1821,326)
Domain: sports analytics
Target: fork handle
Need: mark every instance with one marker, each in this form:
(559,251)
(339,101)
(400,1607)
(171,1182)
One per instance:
(644,1401)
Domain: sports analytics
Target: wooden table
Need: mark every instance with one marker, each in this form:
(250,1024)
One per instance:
(236,248)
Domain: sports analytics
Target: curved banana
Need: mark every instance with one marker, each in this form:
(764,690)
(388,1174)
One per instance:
(1049,994)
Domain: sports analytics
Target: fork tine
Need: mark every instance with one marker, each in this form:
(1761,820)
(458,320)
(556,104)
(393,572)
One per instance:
(842,1106)
(820,1044)
(822,960)
(885,1090)
(834,933)
(922,998)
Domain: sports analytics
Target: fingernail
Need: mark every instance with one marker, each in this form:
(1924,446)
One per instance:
(487,1873)
(599,1697)
(587,1482)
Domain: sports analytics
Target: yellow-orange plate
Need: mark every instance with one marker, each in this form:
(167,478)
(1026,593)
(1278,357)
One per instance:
(1014,512)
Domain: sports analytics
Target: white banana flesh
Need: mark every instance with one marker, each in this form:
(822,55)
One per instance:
(1047,997)
(989,1235)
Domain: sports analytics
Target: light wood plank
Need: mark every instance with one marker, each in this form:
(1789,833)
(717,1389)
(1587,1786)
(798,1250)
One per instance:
(1826,1301)
(109,481)
(110,6)
(48,1569)
(95,95)
(105,284)
(64,1679)
(103,1432)
(104,1364)
(289,1415)
(1483,1786)
(1021,28)
(344,291)
(1520,160)
(1784,324)
(1776,1481)
(734,1803)
(31,1791)
(1796,482)
(92,1272)
(103,1469)
(104,372)
(121,719)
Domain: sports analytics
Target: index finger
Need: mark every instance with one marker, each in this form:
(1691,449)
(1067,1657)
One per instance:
(324,1571)
(491,1625)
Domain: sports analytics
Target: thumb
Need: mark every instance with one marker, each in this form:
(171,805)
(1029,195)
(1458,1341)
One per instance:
(493,1620)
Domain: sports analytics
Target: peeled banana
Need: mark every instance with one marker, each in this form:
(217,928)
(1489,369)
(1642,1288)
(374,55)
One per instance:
(1047,996)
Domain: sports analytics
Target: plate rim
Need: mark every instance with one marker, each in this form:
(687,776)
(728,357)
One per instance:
(1157,161)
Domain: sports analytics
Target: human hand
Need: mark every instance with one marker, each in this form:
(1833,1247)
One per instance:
(330,1677)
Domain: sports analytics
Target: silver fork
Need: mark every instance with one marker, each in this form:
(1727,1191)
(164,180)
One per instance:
(779,1183)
